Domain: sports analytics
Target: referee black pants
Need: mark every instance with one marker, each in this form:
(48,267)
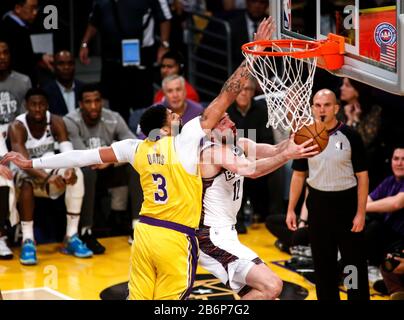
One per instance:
(330,222)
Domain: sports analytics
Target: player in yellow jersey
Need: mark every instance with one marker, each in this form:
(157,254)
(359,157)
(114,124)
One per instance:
(164,252)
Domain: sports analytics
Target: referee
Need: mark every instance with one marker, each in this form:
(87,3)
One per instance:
(338,185)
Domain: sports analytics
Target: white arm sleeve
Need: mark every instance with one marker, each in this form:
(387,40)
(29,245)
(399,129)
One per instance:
(125,150)
(69,159)
(187,145)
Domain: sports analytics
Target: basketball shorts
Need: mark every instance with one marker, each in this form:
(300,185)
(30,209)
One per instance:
(222,254)
(73,193)
(163,261)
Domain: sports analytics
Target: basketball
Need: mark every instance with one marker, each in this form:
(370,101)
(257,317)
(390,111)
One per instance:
(317,131)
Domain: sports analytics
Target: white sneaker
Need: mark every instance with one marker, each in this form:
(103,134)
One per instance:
(5,252)
(374,274)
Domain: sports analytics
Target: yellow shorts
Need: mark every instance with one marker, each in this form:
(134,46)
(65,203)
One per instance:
(163,263)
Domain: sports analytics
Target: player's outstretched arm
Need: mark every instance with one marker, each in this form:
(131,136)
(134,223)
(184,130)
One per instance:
(70,159)
(232,87)
(224,157)
(288,148)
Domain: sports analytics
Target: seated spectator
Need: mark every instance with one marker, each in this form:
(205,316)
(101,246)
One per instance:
(172,63)
(286,238)
(388,200)
(15,28)
(63,91)
(13,87)
(34,135)
(92,126)
(395,280)
(7,203)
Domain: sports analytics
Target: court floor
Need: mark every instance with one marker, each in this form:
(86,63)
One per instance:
(59,276)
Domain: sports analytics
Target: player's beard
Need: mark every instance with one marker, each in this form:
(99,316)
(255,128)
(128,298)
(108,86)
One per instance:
(229,136)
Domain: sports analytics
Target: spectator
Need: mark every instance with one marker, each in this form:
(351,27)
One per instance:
(388,200)
(174,88)
(130,86)
(13,87)
(395,280)
(243,25)
(92,126)
(15,29)
(173,63)
(286,238)
(249,114)
(34,134)
(362,114)
(63,92)
(7,201)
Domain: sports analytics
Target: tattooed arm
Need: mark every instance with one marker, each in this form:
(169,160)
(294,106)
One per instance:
(214,112)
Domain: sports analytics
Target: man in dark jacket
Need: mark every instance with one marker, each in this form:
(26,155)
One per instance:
(63,91)
(15,29)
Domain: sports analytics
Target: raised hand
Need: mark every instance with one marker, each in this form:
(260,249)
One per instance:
(18,159)
(265,29)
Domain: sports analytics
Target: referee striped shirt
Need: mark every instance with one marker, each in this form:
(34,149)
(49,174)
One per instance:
(334,169)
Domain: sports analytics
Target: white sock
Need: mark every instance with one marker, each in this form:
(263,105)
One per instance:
(134,222)
(72,224)
(85,229)
(27,230)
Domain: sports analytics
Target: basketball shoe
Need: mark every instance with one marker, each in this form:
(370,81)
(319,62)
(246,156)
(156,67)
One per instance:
(5,252)
(76,247)
(28,253)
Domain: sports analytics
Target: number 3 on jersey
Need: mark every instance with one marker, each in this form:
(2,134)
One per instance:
(161,196)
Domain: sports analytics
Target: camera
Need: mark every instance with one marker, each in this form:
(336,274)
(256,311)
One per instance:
(389,263)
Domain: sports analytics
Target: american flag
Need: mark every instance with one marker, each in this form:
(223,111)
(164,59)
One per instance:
(388,55)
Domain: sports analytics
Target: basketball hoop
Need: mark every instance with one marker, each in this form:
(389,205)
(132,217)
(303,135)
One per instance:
(285,72)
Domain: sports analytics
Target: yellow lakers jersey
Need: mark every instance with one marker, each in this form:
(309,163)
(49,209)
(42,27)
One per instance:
(170,192)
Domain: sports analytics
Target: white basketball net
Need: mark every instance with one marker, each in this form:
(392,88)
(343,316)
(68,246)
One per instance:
(287,85)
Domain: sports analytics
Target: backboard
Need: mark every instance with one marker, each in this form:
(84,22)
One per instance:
(373,31)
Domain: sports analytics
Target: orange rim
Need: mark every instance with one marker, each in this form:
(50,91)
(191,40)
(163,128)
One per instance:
(330,52)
